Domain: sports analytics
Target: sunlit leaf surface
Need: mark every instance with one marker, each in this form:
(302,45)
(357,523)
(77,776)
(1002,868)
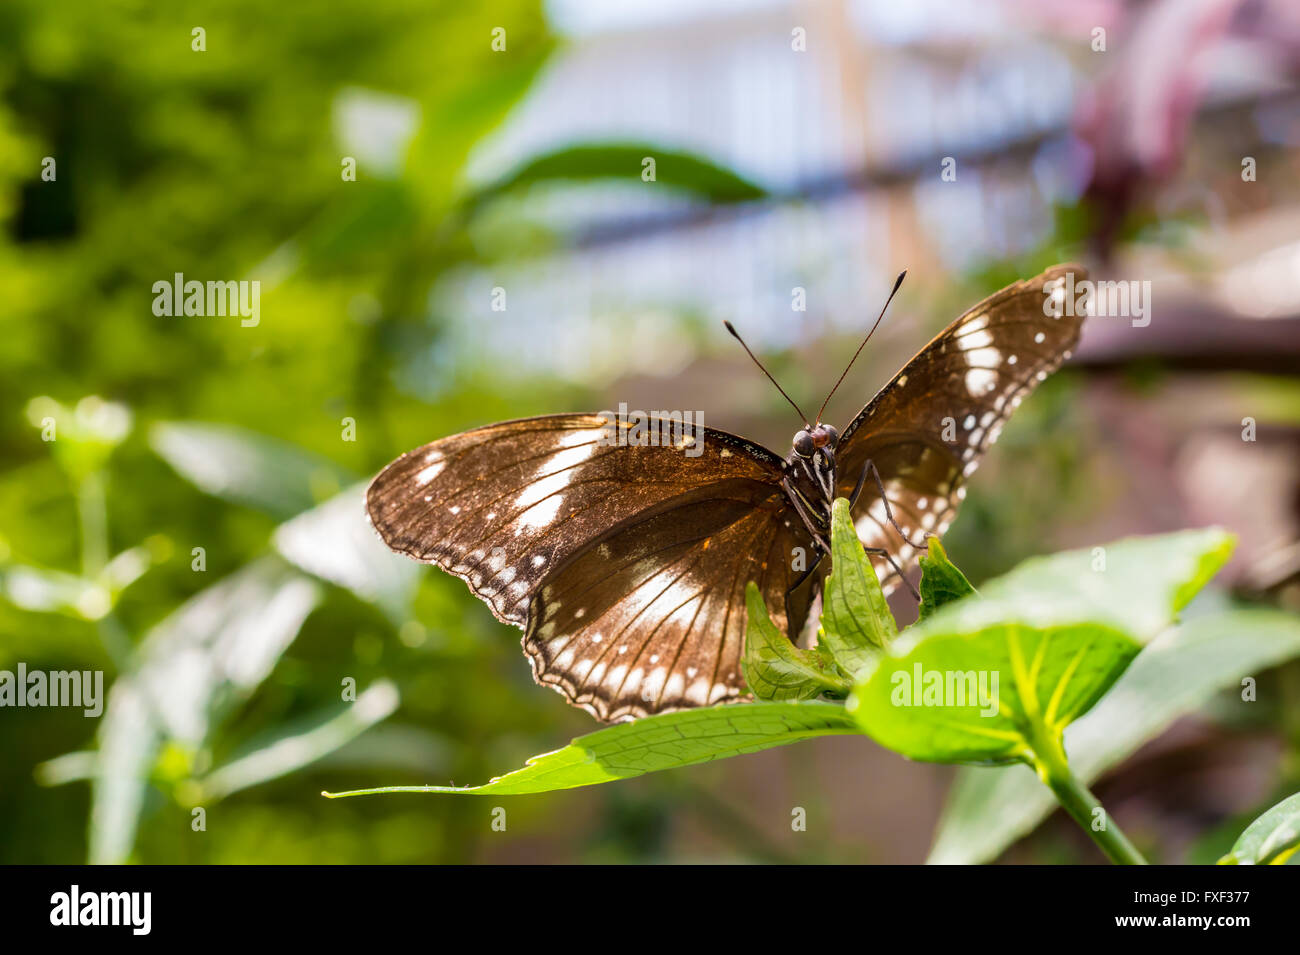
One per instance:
(668,741)
(988,809)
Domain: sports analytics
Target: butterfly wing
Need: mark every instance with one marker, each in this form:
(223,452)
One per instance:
(973,374)
(653,617)
(625,565)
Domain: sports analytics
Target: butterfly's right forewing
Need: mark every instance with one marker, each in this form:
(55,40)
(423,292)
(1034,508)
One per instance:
(927,429)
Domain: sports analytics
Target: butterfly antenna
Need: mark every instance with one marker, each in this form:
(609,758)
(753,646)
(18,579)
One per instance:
(736,335)
(899,281)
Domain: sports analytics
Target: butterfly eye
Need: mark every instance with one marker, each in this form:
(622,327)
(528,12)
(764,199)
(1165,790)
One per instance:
(803,444)
(832,436)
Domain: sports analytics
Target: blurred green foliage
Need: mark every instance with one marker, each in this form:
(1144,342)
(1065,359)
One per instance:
(226,163)
(170,483)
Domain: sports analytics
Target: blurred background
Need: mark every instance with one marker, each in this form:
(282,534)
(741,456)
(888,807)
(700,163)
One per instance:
(195,531)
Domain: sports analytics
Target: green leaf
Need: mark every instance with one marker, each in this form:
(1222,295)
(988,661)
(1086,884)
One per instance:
(192,670)
(659,742)
(856,623)
(247,468)
(775,669)
(129,741)
(1272,839)
(674,169)
(54,591)
(989,809)
(292,749)
(1035,652)
(201,662)
(988,694)
(334,541)
(941,582)
(1137,585)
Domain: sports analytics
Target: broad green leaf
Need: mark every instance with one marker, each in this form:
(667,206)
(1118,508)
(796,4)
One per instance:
(941,582)
(1138,584)
(247,468)
(335,542)
(989,809)
(856,623)
(994,693)
(659,742)
(1272,839)
(775,669)
(1039,647)
(674,170)
(207,657)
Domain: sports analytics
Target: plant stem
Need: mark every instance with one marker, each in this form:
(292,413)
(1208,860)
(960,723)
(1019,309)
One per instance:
(1081,804)
(92,511)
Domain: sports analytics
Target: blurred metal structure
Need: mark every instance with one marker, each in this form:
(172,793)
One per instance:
(846,114)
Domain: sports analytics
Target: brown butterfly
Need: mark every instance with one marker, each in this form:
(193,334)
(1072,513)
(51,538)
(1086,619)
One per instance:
(625,563)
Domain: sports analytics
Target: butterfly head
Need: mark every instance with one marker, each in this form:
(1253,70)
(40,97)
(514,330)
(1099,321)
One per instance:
(811,466)
(816,438)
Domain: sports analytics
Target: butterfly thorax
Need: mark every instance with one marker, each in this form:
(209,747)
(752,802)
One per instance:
(810,479)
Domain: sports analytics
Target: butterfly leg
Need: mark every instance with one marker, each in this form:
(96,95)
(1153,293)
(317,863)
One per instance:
(809,524)
(889,514)
(882,552)
(857,488)
(806,574)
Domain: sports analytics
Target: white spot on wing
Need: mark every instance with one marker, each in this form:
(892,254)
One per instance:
(540,501)
(980,381)
(425,475)
(976,339)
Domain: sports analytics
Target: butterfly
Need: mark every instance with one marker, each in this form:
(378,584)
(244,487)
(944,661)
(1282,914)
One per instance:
(625,563)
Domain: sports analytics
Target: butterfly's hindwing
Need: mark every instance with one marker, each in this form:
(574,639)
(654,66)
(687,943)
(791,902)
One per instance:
(973,374)
(652,618)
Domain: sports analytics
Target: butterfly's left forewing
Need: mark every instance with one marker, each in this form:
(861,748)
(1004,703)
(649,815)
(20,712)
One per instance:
(624,563)
(927,429)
